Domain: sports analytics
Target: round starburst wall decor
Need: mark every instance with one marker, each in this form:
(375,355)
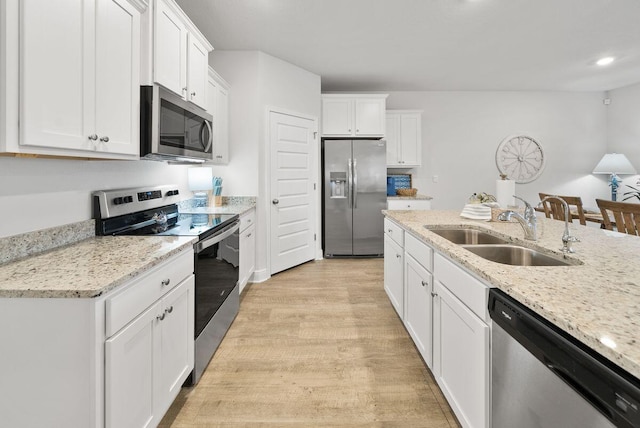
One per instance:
(520,158)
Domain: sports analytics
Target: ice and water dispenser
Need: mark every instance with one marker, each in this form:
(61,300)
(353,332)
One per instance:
(338,184)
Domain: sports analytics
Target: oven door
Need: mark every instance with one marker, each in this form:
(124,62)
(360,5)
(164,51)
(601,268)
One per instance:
(217,296)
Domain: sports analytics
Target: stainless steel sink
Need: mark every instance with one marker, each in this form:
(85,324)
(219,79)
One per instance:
(465,236)
(517,255)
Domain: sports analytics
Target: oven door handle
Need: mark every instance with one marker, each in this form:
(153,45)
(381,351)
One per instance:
(212,240)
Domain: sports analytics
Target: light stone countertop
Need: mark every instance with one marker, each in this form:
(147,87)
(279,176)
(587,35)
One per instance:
(230,205)
(416,197)
(599,299)
(88,268)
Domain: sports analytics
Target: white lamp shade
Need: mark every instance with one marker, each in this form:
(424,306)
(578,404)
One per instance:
(200,178)
(614,163)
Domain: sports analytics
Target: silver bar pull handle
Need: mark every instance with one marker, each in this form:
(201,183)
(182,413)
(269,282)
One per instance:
(355,183)
(349,183)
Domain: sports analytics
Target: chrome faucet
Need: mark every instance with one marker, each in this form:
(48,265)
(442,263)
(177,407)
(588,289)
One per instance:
(567,239)
(528,221)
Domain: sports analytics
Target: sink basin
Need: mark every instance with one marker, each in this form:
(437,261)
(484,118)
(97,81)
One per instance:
(516,255)
(468,236)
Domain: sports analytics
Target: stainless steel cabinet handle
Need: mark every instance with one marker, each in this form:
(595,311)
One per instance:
(434,294)
(424,283)
(193,94)
(398,255)
(184,89)
(93,137)
(275,202)
(166,282)
(249,235)
(357,130)
(160,317)
(169,309)
(355,183)
(390,230)
(104,139)
(219,156)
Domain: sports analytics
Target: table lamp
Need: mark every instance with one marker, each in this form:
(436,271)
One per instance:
(200,182)
(614,164)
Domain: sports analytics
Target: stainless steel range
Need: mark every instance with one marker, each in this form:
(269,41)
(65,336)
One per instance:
(154,211)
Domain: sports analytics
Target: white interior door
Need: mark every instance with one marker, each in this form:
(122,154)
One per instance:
(292,194)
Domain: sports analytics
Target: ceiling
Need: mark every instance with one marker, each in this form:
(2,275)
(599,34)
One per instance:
(431,45)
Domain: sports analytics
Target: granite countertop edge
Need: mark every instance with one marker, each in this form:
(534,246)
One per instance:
(599,299)
(89,268)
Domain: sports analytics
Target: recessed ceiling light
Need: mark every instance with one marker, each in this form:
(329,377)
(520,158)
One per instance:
(605,61)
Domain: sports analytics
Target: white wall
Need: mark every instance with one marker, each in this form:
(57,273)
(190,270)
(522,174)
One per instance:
(623,131)
(40,193)
(461,132)
(258,82)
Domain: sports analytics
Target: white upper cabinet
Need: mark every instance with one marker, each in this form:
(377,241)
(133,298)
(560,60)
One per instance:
(353,115)
(218,107)
(404,138)
(180,53)
(170,49)
(79,78)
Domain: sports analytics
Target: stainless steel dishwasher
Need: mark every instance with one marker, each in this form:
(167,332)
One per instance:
(543,378)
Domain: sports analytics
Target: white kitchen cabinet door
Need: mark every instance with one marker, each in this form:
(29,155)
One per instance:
(218,106)
(80,80)
(176,342)
(370,117)
(411,139)
(393,274)
(132,360)
(392,136)
(337,117)
(247,255)
(57,74)
(461,358)
(170,49)
(418,307)
(117,77)
(197,72)
(404,138)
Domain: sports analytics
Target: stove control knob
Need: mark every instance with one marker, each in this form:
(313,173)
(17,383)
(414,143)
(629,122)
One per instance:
(117,201)
(128,199)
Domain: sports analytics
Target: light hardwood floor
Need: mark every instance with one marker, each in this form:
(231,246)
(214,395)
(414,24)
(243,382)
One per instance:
(318,345)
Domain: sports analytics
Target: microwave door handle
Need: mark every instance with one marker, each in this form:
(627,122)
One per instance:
(208,125)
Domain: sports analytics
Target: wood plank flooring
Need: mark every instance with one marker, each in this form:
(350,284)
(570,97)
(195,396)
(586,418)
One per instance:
(318,345)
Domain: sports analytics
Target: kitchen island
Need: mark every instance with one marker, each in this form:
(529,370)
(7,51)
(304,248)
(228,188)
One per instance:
(440,291)
(597,300)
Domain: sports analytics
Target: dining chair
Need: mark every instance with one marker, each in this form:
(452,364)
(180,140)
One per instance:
(626,216)
(553,208)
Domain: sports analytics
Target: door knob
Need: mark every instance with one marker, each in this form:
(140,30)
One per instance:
(275,202)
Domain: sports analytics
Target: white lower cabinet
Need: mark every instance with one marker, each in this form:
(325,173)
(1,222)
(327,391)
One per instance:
(393,273)
(116,360)
(461,352)
(247,255)
(444,309)
(418,287)
(147,361)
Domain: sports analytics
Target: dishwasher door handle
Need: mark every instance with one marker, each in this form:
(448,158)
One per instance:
(577,386)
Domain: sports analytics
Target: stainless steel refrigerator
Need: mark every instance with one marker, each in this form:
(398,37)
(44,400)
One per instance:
(355,193)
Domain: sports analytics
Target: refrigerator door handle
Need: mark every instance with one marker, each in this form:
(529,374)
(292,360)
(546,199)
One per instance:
(348,189)
(355,183)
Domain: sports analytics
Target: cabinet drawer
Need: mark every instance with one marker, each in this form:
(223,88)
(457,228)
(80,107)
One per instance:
(469,290)
(143,291)
(394,231)
(408,204)
(247,220)
(421,252)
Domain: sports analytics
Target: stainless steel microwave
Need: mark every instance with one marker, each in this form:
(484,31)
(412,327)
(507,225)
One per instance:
(173,129)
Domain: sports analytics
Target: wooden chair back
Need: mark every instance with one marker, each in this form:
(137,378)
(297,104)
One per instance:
(625,215)
(553,208)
